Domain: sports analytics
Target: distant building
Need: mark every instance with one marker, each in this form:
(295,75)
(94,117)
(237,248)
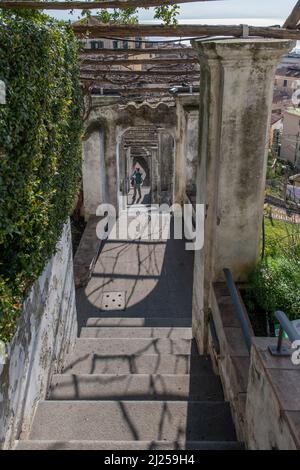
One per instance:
(290,60)
(276,132)
(290,146)
(107,43)
(287,80)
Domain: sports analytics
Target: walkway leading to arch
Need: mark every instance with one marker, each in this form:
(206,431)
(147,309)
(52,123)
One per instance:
(135,379)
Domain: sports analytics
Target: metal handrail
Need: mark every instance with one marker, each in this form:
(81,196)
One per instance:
(238,307)
(287,327)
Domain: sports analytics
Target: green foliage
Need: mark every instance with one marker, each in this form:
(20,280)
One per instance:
(40,158)
(274,283)
(127,16)
(166,13)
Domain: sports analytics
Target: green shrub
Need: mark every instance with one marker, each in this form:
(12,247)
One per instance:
(40,150)
(274,285)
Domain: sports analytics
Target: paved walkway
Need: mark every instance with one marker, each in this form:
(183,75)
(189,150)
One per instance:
(145,193)
(156,278)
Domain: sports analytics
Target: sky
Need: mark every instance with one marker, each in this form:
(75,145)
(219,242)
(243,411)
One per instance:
(261,12)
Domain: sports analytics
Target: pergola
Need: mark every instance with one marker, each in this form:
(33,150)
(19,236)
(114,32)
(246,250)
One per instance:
(161,72)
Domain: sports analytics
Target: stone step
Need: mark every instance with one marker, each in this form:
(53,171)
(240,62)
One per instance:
(132,420)
(132,332)
(89,363)
(127,445)
(135,387)
(148,313)
(136,346)
(140,321)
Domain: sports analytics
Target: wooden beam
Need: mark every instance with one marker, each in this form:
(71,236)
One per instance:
(136,90)
(140,73)
(148,50)
(94,83)
(88,5)
(294,18)
(136,85)
(183,31)
(149,61)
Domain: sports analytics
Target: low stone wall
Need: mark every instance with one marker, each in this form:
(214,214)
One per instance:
(87,252)
(263,391)
(46,331)
(232,361)
(273,400)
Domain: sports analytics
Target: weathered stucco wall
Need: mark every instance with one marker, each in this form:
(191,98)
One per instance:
(46,331)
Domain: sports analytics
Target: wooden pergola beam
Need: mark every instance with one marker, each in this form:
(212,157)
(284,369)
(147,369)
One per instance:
(127,52)
(108,85)
(88,5)
(139,61)
(138,91)
(183,31)
(140,73)
(294,18)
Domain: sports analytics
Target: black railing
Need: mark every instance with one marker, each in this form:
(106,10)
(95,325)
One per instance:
(238,308)
(287,327)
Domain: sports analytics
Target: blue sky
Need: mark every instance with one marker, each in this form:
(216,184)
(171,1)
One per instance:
(226,9)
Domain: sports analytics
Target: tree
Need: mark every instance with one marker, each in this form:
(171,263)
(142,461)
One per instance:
(166,13)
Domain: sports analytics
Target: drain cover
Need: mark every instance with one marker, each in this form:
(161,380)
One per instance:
(113,301)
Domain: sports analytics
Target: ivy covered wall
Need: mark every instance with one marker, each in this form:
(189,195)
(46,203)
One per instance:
(40,150)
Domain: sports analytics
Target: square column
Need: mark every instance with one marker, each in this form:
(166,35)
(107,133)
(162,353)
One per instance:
(236,88)
(187,109)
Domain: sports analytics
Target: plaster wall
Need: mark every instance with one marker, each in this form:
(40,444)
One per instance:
(46,331)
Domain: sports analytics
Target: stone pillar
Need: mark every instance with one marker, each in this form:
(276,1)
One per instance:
(186,141)
(155,176)
(236,90)
(99,160)
(93,171)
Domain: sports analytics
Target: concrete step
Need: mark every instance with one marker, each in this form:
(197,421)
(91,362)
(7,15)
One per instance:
(128,445)
(136,346)
(89,363)
(132,420)
(136,311)
(139,321)
(135,387)
(132,332)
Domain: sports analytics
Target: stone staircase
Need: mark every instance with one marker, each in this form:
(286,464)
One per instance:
(130,386)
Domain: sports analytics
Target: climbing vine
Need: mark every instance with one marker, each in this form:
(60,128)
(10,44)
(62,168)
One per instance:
(40,158)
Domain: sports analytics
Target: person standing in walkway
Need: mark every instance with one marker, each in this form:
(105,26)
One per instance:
(137,180)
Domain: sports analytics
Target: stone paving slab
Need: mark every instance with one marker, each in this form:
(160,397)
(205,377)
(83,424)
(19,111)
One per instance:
(134,346)
(128,445)
(139,322)
(90,363)
(135,387)
(126,420)
(132,332)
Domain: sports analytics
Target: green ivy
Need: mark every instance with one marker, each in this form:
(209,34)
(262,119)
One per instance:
(40,150)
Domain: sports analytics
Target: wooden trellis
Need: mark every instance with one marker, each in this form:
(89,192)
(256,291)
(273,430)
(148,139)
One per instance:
(90,5)
(95,63)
